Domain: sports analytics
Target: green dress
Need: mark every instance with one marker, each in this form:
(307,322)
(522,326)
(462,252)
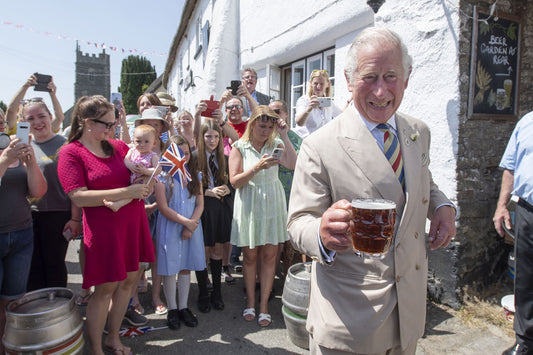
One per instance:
(259,210)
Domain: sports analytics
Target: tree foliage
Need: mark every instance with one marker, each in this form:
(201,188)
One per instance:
(137,72)
(3,106)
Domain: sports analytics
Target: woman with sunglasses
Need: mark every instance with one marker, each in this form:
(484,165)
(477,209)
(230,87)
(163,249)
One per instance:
(91,168)
(260,212)
(12,112)
(55,219)
(316,108)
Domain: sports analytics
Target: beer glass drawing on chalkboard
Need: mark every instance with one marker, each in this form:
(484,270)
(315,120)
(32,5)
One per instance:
(494,65)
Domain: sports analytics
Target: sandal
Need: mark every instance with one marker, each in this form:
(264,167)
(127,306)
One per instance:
(264,319)
(160,309)
(138,308)
(82,301)
(248,314)
(124,350)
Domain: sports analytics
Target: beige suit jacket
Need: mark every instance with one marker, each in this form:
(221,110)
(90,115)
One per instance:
(356,304)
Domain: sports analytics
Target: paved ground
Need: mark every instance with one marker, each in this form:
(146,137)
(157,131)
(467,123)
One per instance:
(226,331)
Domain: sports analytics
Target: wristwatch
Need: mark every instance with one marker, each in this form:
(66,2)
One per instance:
(222,124)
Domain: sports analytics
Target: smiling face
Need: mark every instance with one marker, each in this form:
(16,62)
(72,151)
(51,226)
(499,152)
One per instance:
(379,82)
(319,85)
(249,79)
(40,122)
(211,139)
(144,104)
(234,114)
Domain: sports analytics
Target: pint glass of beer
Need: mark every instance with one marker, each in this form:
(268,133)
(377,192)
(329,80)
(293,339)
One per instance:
(373,226)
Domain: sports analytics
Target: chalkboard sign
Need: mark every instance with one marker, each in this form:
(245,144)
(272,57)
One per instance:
(495,65)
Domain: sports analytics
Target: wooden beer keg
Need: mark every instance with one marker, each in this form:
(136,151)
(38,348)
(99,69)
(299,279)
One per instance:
(45,321)
(295,300)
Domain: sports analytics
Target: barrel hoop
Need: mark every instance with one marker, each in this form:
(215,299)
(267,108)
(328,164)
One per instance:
(292,314)
(68,348)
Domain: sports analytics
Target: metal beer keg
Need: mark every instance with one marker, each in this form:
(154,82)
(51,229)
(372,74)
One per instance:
(45,321)
(295,300)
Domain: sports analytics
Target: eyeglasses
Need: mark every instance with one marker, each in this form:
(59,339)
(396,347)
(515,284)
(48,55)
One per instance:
(231,107)
(108,125)
(266,118)
(27,101)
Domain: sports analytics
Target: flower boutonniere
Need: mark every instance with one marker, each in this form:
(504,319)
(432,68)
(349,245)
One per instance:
(414,136)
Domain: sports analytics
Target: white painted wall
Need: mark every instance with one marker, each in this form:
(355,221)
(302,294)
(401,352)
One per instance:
(256,33)
(430,29)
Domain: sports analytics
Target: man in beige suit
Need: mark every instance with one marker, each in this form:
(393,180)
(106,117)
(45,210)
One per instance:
(362,305)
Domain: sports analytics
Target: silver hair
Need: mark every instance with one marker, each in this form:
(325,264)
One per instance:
(374,36)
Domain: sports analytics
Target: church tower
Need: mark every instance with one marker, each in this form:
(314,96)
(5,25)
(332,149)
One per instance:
(92,74)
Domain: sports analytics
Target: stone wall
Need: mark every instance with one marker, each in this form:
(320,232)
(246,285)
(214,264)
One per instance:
(481,254)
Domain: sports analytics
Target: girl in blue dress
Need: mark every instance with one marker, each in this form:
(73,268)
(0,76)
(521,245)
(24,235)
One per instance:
(180,241)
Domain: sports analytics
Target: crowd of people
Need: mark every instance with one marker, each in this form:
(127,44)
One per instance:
(249,184)
(100,180)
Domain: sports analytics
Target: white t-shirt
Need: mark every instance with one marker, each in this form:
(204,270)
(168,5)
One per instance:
(316,119)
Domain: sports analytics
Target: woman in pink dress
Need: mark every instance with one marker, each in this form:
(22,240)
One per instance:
(91,168)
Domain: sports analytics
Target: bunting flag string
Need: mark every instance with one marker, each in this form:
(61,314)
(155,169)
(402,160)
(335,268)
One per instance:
(89,43)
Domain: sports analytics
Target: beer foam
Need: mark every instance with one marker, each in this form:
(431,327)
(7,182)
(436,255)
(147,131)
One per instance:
(373,204)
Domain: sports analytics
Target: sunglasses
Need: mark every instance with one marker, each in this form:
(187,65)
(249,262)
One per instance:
(277,110)
(266,118)
(27,101)
(320,71)
(231,107)
(107,125)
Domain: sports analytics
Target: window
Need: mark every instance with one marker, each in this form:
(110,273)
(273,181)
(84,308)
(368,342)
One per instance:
(296,78)
(198,38)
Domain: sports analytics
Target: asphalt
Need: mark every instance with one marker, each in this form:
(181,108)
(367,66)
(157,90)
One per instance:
(224,331)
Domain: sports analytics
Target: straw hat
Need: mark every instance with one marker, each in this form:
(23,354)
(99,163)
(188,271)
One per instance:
(152,114)
(167,100)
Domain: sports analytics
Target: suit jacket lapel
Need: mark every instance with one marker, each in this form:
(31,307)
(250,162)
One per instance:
(411,155)
(363,150)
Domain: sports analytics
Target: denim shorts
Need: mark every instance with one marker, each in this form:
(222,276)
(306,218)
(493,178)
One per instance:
(16,249)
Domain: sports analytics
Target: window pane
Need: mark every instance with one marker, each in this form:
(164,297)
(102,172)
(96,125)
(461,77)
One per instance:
(298,75)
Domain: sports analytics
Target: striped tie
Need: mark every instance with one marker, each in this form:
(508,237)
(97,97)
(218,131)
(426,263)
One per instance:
(391,148)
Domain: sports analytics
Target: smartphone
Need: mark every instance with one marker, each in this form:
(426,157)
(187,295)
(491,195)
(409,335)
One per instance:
(23,132)
(116,99)
(67,234)
(324,101)
(277,153)
(42,82)
(235,87)
(163,109)
(212,105)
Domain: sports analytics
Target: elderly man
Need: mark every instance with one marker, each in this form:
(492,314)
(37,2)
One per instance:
(360,304)
(518,179)
(249,81)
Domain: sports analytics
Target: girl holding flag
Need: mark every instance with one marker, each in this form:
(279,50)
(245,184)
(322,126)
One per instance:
(180,241)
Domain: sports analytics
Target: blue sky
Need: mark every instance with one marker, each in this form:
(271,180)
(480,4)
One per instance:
(143,25)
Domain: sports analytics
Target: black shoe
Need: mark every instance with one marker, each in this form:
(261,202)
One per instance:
(188,318)
(203,304)
(216,301)
(135,318)
(518,349)
(173,319)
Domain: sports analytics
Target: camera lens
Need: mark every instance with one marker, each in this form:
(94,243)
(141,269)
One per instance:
(4,140)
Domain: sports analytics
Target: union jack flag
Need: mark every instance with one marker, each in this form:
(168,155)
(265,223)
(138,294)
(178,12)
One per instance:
(173,162)
(134,331)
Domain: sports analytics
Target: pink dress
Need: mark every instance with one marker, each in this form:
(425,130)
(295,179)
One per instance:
(138,158)
(115,242)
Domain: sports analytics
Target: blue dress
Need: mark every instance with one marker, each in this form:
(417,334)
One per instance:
(173,253)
